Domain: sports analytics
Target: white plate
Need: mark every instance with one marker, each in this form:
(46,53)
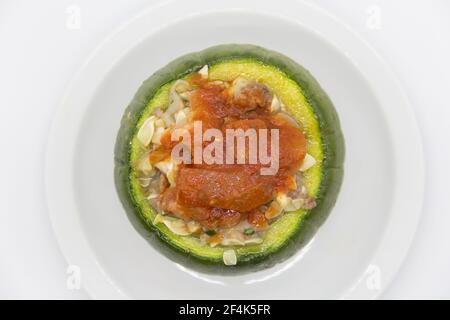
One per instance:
(357,251)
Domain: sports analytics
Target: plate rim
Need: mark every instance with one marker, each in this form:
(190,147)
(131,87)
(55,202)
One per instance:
(97,283)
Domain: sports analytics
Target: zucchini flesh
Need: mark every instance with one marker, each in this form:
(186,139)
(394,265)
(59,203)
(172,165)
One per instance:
(305,101)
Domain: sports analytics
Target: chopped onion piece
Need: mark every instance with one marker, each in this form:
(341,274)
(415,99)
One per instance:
(144,182)
(204,71)
(180,86)
(308,162)
(168,119)
(177,226)
(144,164)
(176,103)
(146,131)
(296,204)
(152,196)
(181,117)
(159,123)
(303,190)
(283,200)
(193,226)
(219,83)
(254,241)
(238,84)
(169,168)
(171,176)
(288,204)
(274,210)
(159,132)
(229,257)
(288,118)
(232,242)
(233,237)
(275,105)
(165,166)
(186,95)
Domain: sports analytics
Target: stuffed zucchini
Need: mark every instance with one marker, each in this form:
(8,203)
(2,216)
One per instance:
(206,199)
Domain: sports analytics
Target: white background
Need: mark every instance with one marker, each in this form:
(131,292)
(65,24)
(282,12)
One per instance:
(39,55)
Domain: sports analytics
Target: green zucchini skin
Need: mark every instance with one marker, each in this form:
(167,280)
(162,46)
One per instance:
(332,143)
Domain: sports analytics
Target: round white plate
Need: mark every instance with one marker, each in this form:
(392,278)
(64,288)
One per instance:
(355,254)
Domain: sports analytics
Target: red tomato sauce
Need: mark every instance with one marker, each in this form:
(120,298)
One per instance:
(221,195)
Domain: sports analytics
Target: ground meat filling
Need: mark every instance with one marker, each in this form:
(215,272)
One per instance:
(223,195)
